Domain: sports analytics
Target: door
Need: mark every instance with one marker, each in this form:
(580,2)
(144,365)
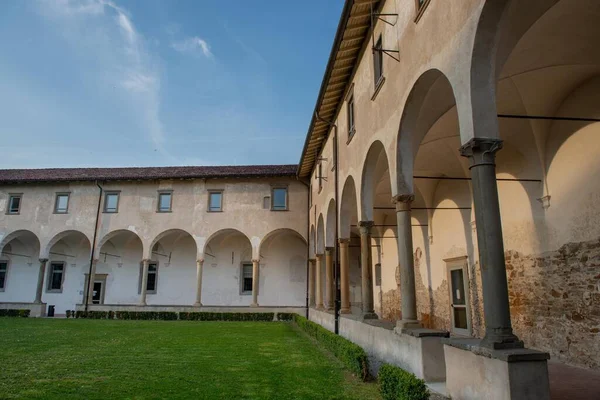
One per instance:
(97,296)
(459,302)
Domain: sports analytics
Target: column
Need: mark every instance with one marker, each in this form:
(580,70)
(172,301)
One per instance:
(91,279)
(345,275)
(498,328)
(40,283)
(255,264)
(329,277)
(311,282)
(406,261)
(199,266)
(366,266)
(145,264)
(318,282)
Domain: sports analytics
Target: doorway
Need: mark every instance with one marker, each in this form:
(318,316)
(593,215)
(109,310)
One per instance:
(98,289)
(458,286)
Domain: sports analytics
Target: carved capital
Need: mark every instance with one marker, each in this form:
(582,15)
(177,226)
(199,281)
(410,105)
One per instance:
(329,249)
(344,242)
(365,227)
(255,261)
(312,260)
(481,151)
(200,261)
(95,261)
(146,261)
(43,260)
(403,201)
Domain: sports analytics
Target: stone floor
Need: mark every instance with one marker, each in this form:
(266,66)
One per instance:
(571,383)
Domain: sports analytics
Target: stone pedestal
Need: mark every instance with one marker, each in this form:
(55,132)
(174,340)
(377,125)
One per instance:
(476,372)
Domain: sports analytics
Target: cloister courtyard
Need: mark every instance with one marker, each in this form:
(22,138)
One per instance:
(99,359)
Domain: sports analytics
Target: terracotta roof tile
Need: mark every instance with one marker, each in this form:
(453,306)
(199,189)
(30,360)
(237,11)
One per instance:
(143,173)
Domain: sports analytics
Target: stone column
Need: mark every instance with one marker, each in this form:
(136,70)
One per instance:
(199,266)
(366,266)
(329,277)
(255,264)
(145,264)
(344,275)
(498,328)
(311,282)
(40,282)
(406,261)
(91,279)
(318,282)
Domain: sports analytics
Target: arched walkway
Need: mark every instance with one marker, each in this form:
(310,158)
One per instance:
(20,267)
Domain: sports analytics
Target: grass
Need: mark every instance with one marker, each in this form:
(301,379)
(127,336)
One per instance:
(91,359)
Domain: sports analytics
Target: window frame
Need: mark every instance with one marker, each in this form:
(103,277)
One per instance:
(378,61)
(51,272)
(210,193)
(60,194)
(453,264)
(11,196)
(140,281)
(319,174)
(159,195)
(111,193)
(7,262)
(420,9)
(287,197)
(351,116)
(242,265)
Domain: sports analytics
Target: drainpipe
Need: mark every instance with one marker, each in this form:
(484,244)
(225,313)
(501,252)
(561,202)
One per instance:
(308,241)
(337,301)
(87,292)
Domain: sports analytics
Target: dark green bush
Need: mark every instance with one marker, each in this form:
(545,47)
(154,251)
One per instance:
(111,315)
(398,384)
(167,316)
(15,313)
(352,355)
(285,316)
(68,313)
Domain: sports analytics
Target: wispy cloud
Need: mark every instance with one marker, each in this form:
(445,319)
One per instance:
(121,50)
(193,45)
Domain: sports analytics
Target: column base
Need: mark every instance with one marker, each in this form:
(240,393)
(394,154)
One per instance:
(408,324)
(320,307)
(197,304)
(370,315)
(345,311)
(254,305)
(142,304)
(474,371)
(329,308)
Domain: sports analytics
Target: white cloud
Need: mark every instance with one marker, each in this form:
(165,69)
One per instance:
(193,45)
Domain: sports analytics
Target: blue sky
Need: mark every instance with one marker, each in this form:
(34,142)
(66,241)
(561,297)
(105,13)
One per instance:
(88,83)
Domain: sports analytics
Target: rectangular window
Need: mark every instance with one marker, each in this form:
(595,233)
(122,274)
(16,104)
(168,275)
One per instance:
(14,204)
(378,61)
(247,278)
(111,202)
(266,202)
(3,273)
(351,127)
(152,282)
(320,176)
(61,206)
(279,199)
(56,276)
(164,201)
(215,201)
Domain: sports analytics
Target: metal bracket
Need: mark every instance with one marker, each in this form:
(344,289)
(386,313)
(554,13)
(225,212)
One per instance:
(379,17)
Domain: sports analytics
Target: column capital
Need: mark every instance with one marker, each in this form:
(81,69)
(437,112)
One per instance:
(344,241)
(95,261)
(319,255)
(146,260)
(43,260)
(257,261)
(481,150)
(365,227)
(403,201)
(200,261)
(329,249)
(312,260)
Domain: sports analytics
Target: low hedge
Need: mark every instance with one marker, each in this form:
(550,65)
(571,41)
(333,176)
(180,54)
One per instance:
(398,384)
(288,317)
(15,313)
(217,316)
(352,355)
(170,315)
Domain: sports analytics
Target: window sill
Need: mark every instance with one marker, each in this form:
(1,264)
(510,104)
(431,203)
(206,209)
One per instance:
(110,212)
(214,211)
(54,291)
(246,294)
(163,212)
(421,10)
(350,136)
(287,209)
(13,213)
(378,86)
(60,212)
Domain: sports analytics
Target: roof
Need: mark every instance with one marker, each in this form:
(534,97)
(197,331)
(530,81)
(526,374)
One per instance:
(143,173)
(353,29)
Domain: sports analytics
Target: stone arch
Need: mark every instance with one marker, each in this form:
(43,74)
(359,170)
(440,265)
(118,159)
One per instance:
(320,235)
(169,232)
(60,236)
(276,232)
(223,233)
(117,234)
(21,234)
(375,164)
(330,226)
(348,208)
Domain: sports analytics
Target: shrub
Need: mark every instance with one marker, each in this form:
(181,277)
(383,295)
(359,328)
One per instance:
(398,384)
(285,316)
(15,313)
(111,315)
(167,316)
(68,313)
(352,355)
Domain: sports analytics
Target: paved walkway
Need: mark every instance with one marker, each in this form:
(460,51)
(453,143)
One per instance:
(572,383)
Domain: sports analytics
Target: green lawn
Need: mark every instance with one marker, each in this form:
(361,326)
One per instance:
(91,359)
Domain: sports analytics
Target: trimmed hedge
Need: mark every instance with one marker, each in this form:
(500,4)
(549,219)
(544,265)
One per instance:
(171,315)
(398,384)
(15,313)
(352,355)
(217,316)
(288,317)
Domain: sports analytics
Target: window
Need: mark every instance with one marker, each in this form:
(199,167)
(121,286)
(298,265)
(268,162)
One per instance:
(61,206)
(152,282)
(378,274)
(421,5)
(247,278)
(320,175)
(215,201)
(279,199)
(14,204)
(56,276)
(111,202)
(266,202)
(378,61)
(3,273)
(351,127)
(164,201)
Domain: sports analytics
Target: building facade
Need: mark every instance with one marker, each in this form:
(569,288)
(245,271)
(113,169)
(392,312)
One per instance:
(456,144)
(153,237)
